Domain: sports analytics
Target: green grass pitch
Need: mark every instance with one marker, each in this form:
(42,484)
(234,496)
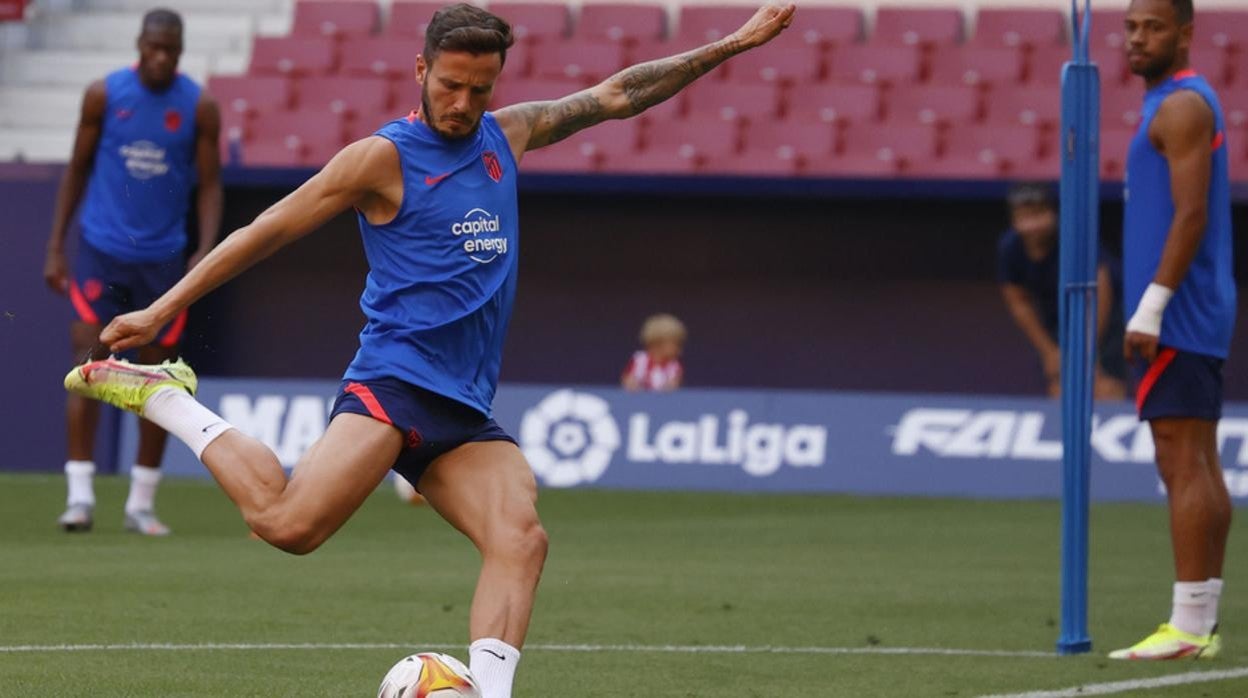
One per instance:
(629,573)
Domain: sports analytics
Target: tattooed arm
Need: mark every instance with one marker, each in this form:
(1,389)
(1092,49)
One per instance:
(532,125)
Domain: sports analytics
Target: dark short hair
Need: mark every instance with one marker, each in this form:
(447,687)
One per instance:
(1031,194)
(161,19)
(468,28)
(1183,11)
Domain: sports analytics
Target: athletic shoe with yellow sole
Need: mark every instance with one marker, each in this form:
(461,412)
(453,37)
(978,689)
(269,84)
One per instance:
(1168,643)
(1215,645)
(128,386)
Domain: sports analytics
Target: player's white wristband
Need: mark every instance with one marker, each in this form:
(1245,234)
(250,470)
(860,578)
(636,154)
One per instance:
(1147,318)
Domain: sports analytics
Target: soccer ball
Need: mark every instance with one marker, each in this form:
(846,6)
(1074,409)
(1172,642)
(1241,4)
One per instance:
(429,675)
(406,492)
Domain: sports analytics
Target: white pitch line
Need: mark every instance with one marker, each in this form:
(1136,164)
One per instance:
(1104,689)
(660,649)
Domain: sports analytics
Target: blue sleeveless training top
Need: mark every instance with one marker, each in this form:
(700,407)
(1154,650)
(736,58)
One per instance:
(1201,316)
(442,274)
(139,190)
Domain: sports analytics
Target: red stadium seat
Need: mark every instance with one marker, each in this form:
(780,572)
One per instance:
(733,101)
(875,65)
(586,61)
(769,163)
(913,27)
(681,161)
(276,153)
(700,24)
(799,64)
(309,126)
(1016,28)
(839,104)
(790,139)
(293,56)
(386,58)
(1213,63)
(622,22)
(364,124)
(1121,108)
(1114,146)
(991,151)
(610,138)
(534,21)
(336,19)
(1224,29)
(870,151)
(940,106)
(1235,108)
(349,96)
(1044,66)
(824,26)
(1027,106)
(566,156)
(509,92)
(1107,28)
(701,138)
(250,94)
(409,18)
(975,66)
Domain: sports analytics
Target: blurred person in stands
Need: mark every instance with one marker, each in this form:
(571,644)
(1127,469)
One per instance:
(435,196)
(1179,287)
(146,136)
(656,367)
(1028,271)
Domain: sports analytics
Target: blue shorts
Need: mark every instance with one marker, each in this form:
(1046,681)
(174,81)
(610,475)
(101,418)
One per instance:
(1180,384)
(432,424)
(104,287)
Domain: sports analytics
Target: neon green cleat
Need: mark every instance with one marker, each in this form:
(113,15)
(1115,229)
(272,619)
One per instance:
(1215,645)
(1168,643)
(128,386)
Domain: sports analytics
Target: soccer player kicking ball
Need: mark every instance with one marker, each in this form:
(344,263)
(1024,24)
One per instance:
(435,194)
(1181,297)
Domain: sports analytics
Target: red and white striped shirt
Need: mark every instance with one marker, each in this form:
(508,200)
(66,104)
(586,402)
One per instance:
(652,375)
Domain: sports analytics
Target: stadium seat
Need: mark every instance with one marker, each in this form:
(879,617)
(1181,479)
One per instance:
(1107,28)
(678,161)
(700,24)
(1213,63)
(1027,106)
(871,151)
(534,21)
(611,138)
(789,139)
(335,19)
(630,23)
(710,138)
(364,124)
(410,18)
(1224,29)
(313,137)
(1018,28)
(509,92)
(1121,108)
(1235,108)
(1114,146)
(986,152)
(733,101)
(1238,69)
(585,61)
(875,65)
(1044,66)
(824,26)
(293,56)
(387,58)
(567,156)
(939,106)
(250,94)
(276,153)
(839,104)
(799,65)
(769,163)
(975,66)
(344,95)
(914,27)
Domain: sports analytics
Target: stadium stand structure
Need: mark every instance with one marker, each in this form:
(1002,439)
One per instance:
(917,92)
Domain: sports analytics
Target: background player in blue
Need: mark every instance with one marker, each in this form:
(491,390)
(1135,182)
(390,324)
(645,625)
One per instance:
(1027,270)
(436,198)
(146,134)
(1180,296)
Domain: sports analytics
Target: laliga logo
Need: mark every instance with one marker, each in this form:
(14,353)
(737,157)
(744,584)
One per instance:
(481,250)
(569,438)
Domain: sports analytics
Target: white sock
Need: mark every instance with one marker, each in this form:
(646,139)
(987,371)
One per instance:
(1191,599)
(175,411)
(143,481)
(78,474)
(1214,585)
(493,664)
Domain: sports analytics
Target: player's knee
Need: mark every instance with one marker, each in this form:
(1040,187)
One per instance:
(523,540)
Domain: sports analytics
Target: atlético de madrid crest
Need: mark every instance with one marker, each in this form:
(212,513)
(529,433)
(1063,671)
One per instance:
(493,167)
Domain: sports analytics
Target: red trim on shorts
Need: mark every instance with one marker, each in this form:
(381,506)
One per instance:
(175,331)
(81,306)
(1154,372)
(375,410)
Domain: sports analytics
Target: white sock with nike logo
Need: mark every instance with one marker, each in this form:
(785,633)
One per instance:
(1191,599)
(1214,585)
(493,664)
(178,413)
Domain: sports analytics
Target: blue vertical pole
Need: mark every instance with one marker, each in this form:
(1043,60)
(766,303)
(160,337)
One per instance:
(1080,134)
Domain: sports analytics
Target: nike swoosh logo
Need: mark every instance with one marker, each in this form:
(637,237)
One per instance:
(496,654)
(205,429)
(430,181)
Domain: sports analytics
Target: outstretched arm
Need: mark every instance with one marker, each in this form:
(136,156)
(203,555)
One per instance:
(633,90)
(365,174)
